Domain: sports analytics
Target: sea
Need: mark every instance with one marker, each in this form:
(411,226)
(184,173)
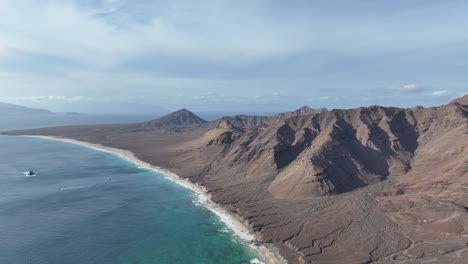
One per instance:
(87,206)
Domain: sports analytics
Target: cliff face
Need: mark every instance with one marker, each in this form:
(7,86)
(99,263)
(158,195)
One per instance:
(372,184)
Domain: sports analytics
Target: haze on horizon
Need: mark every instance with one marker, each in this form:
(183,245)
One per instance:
(118,55)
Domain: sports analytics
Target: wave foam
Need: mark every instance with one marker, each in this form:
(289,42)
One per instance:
(256,261)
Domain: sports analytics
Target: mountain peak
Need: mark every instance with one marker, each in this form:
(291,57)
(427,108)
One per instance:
(462,100)
(182,111)
(306,110)
(177,119)
(302,111)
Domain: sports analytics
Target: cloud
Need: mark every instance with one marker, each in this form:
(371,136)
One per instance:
(410,88)
(397,91)
(215,98)
(57,98)
(440,93)
(107,35)
(154,50)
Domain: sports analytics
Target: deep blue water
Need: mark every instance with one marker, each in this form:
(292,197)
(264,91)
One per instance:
(89,206)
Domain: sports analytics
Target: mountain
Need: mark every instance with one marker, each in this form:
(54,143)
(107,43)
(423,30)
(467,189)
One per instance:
(249,121)
(180,118)
(462,100)
(361,185)
(336,151)
(18,110)
(303,111)
(371,184)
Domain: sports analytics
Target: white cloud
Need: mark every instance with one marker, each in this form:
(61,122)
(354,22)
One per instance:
(410,88)
(215,98)
(57,98)
(440,93)
(59,49)
(82,34)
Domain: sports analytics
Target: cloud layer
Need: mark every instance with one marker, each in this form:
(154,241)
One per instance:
(263,53)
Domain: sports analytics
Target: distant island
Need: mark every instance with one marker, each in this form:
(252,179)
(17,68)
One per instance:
(71,113)
(371,184)
(18,110)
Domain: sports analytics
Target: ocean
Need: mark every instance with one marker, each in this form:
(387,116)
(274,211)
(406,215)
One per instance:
(87,206)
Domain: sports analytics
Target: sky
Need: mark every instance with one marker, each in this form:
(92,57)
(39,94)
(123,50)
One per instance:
(242,55)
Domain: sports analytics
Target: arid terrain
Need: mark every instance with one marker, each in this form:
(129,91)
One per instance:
(367,185)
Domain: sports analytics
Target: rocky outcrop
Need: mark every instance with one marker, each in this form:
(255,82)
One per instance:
(226,124)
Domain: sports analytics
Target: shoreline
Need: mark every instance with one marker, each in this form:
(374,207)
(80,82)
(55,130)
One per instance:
(267,252)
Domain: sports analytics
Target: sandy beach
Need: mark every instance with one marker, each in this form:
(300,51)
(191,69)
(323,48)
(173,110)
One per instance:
(267,253)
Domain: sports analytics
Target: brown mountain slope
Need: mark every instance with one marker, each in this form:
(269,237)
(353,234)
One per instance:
(422,152)
(373,184)
(328,153)
(462,100)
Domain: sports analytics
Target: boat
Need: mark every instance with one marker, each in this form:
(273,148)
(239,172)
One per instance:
(30,173)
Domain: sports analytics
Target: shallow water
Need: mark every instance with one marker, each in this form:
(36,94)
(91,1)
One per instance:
(88,206)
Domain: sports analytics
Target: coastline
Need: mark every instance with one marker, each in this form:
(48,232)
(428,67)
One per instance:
(267,253)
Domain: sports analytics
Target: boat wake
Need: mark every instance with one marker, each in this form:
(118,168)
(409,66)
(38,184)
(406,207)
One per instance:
(74,187)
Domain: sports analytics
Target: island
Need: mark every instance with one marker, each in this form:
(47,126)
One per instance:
(18,110)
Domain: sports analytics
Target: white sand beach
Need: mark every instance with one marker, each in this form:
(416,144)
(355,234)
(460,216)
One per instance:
(267,253)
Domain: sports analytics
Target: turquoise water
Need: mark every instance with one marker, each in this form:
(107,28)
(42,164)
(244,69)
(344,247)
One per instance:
(89,206)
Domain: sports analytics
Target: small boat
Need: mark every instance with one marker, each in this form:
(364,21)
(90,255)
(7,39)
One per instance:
(30,173)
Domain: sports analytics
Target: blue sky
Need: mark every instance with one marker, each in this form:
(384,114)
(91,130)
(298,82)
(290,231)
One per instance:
(245,56)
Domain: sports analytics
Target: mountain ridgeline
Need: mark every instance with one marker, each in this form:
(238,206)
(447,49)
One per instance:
(371,184)
(246,121)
